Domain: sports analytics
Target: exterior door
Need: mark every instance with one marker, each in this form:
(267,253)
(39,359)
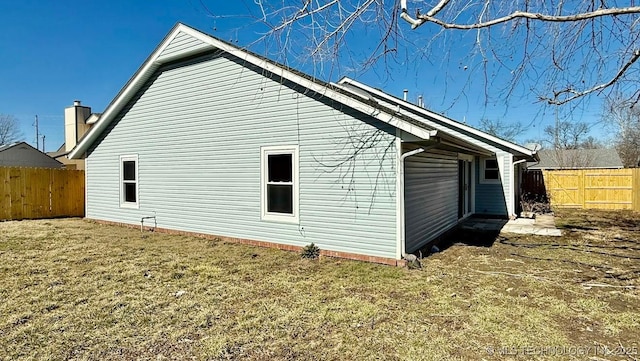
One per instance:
(464,188)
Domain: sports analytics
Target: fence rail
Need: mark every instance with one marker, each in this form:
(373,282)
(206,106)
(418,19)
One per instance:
(29,193)
(594,188)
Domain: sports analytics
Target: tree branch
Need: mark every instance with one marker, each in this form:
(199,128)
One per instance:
(424,18)
(578,94)
(302,13)
(345,24)
(551,52)
(433,12)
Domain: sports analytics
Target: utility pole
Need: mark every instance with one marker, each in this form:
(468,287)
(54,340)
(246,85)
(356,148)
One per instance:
(37,134)
(43,150)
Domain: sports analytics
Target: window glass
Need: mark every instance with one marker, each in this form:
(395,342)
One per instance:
(130,192)
(491,171)
(280,168)
(491,174)
(280,198)
(129,170)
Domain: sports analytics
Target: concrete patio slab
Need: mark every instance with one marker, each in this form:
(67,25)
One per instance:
(543,225)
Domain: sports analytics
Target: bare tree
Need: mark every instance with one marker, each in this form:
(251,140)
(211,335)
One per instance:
(506,131)
(569,135)
(570,145)
(628,147)
(561,51)
(591,142)
(624,116)
(9,129)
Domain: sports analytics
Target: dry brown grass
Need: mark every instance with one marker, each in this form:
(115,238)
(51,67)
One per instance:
(73,289)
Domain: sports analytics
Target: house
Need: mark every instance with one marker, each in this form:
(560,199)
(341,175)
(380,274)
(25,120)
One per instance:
(208,138)
(78,119)
(21,154)
(577,159)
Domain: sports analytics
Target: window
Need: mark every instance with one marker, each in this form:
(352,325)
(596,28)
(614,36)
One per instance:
(489,172)
(279,166)
(129,181)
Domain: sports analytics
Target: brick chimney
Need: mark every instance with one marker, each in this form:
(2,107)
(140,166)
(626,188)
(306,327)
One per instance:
(75,124)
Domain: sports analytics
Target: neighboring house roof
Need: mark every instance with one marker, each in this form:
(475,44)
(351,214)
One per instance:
(61,152)
(57,154)
(21,154)
(577,159)
(170,51)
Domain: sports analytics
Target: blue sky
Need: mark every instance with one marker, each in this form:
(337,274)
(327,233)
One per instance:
(53,53)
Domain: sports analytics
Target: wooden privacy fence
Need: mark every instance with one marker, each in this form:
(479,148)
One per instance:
(29,193)
(594,188)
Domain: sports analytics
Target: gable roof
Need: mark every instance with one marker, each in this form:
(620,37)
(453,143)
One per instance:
(438,120)
(15,144)
(7,146)
(577,159)
(184,42)
(33,158)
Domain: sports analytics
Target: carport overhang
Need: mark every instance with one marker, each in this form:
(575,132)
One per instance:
(439,140)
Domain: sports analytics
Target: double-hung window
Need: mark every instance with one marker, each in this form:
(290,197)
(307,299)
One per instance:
(279,168)
(129,181)
(489,172)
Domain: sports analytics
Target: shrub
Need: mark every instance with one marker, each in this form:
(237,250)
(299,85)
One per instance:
(310,251)
(536,203)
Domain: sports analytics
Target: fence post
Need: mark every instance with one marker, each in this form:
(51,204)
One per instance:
(5,194)
(583,191)
(635,189)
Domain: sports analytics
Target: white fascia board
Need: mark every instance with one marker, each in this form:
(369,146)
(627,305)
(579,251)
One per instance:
(153,63)
(453,123)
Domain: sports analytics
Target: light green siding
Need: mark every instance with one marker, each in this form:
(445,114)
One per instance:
(491,198)
(431,195)
(197,129)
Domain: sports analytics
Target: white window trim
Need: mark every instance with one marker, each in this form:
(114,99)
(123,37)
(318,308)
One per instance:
(123,204)
(280,217)
(483,167)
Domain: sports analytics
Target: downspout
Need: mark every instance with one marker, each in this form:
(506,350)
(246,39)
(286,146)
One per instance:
(413,152)
(516,197)
(401,247)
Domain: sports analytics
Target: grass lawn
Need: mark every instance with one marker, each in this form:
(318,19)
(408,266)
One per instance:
(74,289)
